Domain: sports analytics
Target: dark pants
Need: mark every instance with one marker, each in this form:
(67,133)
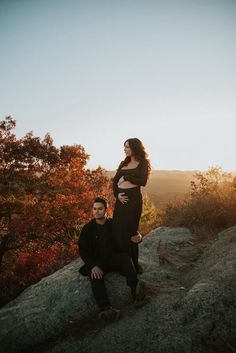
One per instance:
(118,262)
(125,223)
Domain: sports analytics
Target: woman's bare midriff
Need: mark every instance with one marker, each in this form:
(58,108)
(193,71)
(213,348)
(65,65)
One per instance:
(125,184)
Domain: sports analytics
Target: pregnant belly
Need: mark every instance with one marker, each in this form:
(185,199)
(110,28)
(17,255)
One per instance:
(126,185)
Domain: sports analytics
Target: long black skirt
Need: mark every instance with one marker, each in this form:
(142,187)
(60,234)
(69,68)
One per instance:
(125,223)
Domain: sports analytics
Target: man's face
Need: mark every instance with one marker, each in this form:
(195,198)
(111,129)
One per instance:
(99,210)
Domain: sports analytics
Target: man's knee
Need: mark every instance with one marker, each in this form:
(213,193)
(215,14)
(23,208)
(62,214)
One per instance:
(127,260)
(126,264)
(96,280)
(123,257)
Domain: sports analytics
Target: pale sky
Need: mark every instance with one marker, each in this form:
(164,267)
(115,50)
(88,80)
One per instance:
(97,72)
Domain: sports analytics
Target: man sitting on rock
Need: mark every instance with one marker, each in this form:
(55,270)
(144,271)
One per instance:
(96,251)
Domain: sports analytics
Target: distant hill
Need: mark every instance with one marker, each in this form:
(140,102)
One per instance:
(166,185)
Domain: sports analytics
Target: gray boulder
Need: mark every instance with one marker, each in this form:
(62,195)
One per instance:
(45,308)
(189,308)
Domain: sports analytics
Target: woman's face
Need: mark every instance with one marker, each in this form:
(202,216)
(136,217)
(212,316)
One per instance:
(127,149)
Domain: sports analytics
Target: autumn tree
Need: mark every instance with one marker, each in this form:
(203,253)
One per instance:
(21,164)
(46,192)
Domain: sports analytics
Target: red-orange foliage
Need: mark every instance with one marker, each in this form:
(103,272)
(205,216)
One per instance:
(46,195)
(30,267)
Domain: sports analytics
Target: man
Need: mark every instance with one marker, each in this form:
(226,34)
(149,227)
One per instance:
(95,247)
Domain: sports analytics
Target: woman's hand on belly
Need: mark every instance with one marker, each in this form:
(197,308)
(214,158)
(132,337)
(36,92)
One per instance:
(122,197)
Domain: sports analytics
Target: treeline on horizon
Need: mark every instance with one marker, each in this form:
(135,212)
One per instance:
(46,196)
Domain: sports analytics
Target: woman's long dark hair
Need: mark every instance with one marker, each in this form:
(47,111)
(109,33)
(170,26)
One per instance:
(138,152)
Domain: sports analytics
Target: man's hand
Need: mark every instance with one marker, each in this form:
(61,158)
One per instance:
(136,238)
(96,272)
(122,198)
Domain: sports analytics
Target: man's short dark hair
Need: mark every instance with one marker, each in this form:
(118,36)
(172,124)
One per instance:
(102,200)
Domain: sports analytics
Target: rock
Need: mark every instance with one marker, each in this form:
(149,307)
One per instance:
(43,309)
(200,317)
(176,247)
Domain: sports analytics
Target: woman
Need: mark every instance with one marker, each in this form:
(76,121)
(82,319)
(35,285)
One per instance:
(132,173)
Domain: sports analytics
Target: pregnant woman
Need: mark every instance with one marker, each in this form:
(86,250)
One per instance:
(132,173)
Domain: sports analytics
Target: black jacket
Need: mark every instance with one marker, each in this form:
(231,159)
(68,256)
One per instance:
(137,176)
(95,245)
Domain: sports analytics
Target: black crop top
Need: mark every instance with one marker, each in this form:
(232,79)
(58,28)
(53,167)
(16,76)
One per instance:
(137,176)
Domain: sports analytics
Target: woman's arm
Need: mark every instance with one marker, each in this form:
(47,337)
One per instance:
(115,181)
(139,180)
(115,186)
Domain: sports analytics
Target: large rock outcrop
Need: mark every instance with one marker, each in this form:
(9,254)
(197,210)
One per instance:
(191,304)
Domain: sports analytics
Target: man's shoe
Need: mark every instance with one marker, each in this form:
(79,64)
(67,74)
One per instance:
(140,294)
(139,269)
(110,314)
